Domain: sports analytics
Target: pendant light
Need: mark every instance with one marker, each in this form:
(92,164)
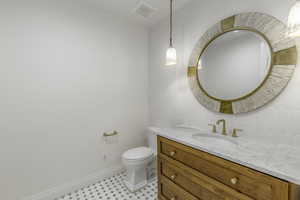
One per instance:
(294,21)
(171,58)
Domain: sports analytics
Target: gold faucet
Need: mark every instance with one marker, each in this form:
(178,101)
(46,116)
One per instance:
(214,128)
(224,126)
(234,132)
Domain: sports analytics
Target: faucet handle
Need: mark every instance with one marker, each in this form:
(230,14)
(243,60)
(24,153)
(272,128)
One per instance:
(214,127)
(234,132)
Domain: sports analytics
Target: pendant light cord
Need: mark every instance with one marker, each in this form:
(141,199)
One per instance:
(171,23)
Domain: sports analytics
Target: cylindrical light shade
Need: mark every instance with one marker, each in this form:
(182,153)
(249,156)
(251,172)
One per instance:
(294,21)
(171,58)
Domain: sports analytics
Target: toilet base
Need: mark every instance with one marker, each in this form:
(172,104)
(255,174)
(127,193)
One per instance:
(134,188)
(136,177)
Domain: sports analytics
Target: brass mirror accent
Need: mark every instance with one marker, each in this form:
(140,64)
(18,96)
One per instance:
(261,76)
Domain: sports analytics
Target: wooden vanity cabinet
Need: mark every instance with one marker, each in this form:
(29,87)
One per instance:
(185,173)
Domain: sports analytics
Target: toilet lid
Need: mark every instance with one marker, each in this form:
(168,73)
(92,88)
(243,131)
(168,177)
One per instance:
(138,153)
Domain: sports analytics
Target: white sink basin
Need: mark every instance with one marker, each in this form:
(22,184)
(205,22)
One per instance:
(215,140)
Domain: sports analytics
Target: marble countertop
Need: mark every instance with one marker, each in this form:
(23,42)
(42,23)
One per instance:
(281,161)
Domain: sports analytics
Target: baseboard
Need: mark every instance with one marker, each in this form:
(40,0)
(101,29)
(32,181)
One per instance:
(66,188)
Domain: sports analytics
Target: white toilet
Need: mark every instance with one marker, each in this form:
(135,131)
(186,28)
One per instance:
(140,163)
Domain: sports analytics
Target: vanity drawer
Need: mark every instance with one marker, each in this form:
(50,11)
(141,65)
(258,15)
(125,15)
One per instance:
(247,181)
(196,183)
(170,191)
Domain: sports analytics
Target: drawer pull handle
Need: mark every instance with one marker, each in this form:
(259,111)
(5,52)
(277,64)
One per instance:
(172,153)
(173,198)
(173,177)
(234,180)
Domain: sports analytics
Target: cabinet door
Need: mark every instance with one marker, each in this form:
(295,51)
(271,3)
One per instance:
(197,184)
(171,191)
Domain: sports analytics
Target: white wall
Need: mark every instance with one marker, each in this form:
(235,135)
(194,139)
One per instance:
(68,72)
(171,100)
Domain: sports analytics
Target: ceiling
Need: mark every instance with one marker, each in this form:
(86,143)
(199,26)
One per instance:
(127,8)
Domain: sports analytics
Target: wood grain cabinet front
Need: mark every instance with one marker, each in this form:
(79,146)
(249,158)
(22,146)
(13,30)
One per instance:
(171,191)
(208,177)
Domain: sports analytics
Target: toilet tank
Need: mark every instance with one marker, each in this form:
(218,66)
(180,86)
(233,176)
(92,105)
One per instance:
(151,138)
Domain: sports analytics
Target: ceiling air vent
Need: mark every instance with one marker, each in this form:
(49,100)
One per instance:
(144,9)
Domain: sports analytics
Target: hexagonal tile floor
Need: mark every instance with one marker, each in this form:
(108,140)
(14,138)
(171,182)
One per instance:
(112,188)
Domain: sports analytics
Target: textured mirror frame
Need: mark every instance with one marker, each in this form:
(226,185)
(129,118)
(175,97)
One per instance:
(284,61)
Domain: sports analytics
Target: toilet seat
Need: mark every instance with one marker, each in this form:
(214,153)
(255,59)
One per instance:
(137,154)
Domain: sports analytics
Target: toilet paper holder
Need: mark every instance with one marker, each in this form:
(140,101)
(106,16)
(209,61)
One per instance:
(105,134)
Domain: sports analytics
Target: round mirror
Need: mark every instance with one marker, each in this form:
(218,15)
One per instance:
(234,65)
(241,63)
